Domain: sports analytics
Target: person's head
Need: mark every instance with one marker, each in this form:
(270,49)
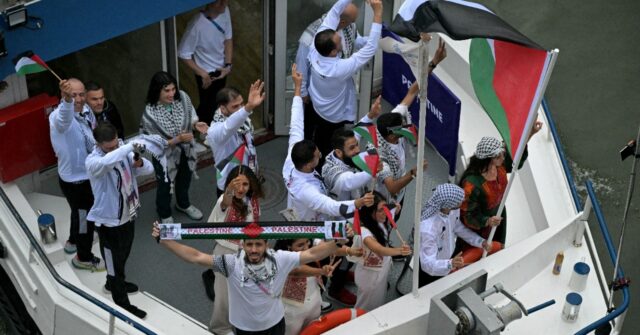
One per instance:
(78,93)
(345,145)
(349,15)
(251,186)
(229,100)
(387,123)
(300,244)
(255,250)
(106,136)
(489,152)
(95,97)
(163,89)
(445,198)
(305,156)
(328,43)
(216,8)
(374,215)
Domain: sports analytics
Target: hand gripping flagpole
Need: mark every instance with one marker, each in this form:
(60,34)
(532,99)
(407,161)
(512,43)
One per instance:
(422,84)
(523,140)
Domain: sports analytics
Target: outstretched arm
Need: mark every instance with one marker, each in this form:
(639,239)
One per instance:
(186,253)
(318,252)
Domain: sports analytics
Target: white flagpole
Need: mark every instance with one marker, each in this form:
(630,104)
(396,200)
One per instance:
(525,137)
(422,84)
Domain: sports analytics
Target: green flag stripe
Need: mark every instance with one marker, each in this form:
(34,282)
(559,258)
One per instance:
(30,68)
(361,164)
(482,66)
(364,133)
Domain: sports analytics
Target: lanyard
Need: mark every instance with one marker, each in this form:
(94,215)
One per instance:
(215,24)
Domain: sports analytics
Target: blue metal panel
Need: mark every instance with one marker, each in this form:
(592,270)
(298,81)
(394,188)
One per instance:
(71,25)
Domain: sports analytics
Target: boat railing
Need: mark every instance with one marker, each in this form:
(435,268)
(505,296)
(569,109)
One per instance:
(591,203)
(114,313)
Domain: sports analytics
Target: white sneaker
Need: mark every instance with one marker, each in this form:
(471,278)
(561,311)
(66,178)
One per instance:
(167,220)
(192,212)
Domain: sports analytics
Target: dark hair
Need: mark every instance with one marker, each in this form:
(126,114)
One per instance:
(476,166)
(255,188)
(324,42)
(160,80)
(225,95)
(339,137)
(302,153)
(286,244)
(104,132)
(367,215)
(388,120)
(92,86)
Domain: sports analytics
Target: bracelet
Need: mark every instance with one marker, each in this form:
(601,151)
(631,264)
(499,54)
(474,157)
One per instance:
(348,251)
(432,65)
(228,65)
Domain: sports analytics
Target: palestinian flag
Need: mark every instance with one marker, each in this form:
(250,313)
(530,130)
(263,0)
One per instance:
(458,19)
(392,222)
(509,80)
(356,222)
(367,161)
(236,158)
(28,62)
(409,132)
(368,131)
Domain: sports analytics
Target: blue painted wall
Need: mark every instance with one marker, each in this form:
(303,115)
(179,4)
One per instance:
(71,25)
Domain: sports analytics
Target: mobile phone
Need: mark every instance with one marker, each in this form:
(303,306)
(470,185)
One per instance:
(215,74)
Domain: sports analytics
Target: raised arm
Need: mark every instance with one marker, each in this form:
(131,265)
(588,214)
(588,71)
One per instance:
(64,116)
(186,253)
(381,250)
(99,165)
(323,250)
(332,19)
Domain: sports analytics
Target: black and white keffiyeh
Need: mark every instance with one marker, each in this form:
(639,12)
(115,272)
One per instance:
(349,33)
(156,119)
(156,146)
(488,147)
(333,167)
(447,196)
(87,122)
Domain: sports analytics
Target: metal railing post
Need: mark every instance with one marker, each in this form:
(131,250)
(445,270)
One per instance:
(582,223)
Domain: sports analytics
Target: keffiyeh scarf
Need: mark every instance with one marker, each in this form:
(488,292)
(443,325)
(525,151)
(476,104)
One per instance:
(87,122)
(488,147)
(333,167)
(156,119)
(388,155)
(262,274)
(445,196)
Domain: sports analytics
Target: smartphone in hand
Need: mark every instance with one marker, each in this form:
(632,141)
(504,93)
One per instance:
(215,74)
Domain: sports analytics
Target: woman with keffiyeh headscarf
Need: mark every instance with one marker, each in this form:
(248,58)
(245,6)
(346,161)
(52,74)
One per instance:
(484,183)
(439,228)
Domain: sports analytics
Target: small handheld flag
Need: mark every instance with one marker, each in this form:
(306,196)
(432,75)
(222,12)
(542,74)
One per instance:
(236,158)
(392,222)
(409,132)
(367,161)
(356,222)
(368,131)
(28,62)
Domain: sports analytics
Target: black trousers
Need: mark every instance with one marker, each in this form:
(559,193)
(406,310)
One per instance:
(181,187)
(80,199)
(208,104)
(425,278)
(278,329)
(115,246)
(322,135)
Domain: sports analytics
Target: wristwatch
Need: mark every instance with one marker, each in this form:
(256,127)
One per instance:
(432,65)
(228,65)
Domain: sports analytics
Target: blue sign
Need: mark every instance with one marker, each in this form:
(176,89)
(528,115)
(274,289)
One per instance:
(443,107)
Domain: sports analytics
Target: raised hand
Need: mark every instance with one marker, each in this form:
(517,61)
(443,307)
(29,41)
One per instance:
(202,127)
(256,95)
(376,108)
(65,90)
(441,52)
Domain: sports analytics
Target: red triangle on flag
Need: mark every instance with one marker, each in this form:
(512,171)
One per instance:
(392,222)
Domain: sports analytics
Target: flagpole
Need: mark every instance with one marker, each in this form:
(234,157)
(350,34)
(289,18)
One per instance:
(422,84)
(523,141)
(54,73)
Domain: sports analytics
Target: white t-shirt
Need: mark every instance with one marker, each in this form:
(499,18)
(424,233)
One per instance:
(370,259)
(251,308)
(203,40)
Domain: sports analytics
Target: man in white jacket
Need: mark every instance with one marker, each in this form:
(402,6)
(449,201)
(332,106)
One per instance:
(112,169)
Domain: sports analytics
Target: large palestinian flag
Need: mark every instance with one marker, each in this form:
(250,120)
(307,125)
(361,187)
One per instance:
(508,70)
